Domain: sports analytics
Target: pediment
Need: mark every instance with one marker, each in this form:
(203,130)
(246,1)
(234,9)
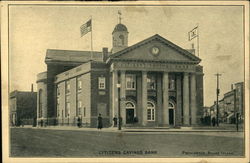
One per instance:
(156,48)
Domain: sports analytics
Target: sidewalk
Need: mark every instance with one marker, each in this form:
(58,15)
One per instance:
(140,129)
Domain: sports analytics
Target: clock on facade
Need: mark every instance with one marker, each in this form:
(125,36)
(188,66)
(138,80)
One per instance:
(155,50)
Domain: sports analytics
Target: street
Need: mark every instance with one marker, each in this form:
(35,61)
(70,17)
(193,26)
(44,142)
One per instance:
(30,142)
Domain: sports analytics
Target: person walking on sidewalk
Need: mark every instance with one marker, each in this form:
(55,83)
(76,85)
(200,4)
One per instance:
(115,121)
(99,122)
(213,121)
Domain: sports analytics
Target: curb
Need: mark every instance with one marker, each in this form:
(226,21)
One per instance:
(132,130)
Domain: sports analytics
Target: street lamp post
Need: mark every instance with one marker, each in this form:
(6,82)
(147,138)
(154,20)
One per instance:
(119,108)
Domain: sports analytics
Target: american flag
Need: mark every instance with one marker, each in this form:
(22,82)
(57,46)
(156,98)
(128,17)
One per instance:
(85,28)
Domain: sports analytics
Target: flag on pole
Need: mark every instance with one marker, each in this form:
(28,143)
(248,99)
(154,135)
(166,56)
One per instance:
(85,28)
(193,33)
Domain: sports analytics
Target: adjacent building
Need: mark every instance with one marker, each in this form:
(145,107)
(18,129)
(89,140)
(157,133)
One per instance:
(151,83)
(231,104)
(23,108)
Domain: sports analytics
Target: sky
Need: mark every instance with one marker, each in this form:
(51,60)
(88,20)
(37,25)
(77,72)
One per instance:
(34,29)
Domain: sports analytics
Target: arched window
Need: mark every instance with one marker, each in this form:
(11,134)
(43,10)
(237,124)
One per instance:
(122,39)
(150,111)
(40,104)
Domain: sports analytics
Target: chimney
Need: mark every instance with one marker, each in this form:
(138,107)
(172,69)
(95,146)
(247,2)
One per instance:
(104,54)
(232,87)
(32,90)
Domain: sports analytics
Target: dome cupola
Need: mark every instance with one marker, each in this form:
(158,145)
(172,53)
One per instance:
(120,36)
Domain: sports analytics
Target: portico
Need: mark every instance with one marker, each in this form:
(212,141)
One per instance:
(154,93)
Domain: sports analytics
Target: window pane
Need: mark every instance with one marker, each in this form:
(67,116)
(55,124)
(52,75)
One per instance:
(130,81)
(153,114)
(149,114)
(101,82)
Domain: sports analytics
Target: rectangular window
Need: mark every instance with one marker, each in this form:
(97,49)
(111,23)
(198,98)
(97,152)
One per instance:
(58,107)
(171,84)
(79,107)
(58,90)
(84,112)
(67,87)
(130,82)
(101,82)
(67,108)
(79,84)
(151,114)
(151,82)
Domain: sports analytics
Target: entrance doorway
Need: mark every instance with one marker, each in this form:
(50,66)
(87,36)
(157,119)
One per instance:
(129,116)
(171,112)
(171,116)
(130,112)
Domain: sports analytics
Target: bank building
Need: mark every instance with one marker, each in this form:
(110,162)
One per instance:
(152,83)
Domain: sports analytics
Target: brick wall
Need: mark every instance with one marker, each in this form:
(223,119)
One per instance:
(100,97)
(52,71)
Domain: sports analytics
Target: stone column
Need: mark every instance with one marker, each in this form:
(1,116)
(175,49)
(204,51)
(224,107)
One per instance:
(159,100)
(144,98)
(139,98)
(178,109)
(114,94)
(193,99)
(186,99)
(165,116)
(123,97)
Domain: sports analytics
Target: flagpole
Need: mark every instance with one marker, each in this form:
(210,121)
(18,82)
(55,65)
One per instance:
(91,39)
(198,46)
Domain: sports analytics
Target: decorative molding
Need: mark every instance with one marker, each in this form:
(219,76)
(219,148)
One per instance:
(153,66)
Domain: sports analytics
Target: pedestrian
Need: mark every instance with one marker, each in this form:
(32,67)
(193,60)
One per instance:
(41,122)
(213,121)
(99,122)
(115,121)
(79,122)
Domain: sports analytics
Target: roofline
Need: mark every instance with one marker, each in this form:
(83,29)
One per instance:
(74,50)
(146,40)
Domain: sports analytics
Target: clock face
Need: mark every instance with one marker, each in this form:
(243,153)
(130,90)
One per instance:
(155,50)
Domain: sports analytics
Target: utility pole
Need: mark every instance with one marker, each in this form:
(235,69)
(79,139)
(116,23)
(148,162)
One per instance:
(235,111)
(217,98)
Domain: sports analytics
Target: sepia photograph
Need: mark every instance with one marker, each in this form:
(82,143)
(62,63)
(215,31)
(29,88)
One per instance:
(117,80)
